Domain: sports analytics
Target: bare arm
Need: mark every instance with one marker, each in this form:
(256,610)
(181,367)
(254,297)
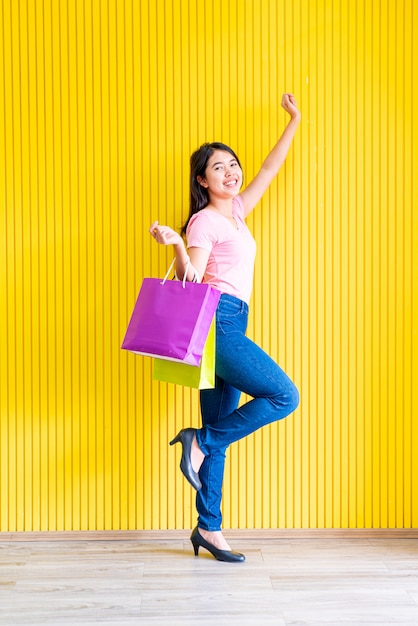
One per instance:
(197,257)
(274,160)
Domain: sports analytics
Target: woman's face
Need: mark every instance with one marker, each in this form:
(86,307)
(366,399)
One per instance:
(223,175)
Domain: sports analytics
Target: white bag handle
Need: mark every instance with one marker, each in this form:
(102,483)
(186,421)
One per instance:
(171,267)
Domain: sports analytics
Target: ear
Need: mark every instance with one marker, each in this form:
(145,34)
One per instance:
(202,181)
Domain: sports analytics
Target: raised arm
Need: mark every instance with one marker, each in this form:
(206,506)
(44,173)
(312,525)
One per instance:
(275,159)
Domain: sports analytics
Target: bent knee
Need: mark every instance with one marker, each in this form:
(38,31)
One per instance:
(288,398)
(294,398)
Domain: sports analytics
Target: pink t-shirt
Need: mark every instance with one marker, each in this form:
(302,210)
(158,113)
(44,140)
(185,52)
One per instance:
(232,250)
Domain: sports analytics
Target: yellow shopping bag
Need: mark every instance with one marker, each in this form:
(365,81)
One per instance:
(198,377)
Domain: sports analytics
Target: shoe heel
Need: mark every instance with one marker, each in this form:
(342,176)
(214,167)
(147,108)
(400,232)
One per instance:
(175,440)
(196,548)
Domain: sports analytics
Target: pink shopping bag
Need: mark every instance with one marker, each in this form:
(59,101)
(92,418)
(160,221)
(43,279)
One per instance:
(171,320)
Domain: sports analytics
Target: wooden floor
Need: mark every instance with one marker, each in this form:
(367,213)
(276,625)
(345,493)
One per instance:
(284,582)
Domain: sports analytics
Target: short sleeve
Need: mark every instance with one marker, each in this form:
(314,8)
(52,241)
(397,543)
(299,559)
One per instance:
(200,233)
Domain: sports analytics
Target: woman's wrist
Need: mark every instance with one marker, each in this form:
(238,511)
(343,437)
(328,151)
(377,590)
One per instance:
(295,117)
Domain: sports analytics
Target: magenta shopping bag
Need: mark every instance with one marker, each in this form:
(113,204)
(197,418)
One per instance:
(171,320)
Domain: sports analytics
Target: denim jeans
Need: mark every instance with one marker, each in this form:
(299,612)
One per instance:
(241,366)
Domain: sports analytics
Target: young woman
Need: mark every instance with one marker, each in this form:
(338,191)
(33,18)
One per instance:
(221,252)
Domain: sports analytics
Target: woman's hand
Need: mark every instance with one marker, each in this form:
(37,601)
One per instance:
(290,106)
(165,235)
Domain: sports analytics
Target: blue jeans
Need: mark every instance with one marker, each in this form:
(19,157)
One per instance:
(241,366)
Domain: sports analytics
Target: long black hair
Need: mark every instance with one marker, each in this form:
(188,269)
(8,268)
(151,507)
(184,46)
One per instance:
(199,196)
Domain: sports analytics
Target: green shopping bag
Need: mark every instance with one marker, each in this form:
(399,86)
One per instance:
(202,377)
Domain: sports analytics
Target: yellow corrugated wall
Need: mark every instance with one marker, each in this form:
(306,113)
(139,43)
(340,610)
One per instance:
(102,102)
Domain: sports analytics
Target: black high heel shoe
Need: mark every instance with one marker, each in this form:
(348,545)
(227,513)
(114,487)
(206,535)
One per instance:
(229,556)
(185,437)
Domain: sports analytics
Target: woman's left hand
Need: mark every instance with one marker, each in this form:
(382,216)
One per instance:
(289,104)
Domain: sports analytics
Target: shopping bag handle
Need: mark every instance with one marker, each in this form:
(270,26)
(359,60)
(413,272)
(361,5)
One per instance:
(171,267)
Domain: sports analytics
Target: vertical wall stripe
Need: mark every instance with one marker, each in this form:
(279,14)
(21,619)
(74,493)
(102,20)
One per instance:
(102,103)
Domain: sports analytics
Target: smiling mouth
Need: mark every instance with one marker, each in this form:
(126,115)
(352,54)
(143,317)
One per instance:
(231,183)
